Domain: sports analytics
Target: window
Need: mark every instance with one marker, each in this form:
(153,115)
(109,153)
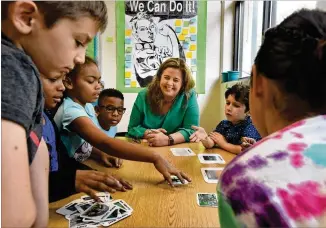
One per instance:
(247,40)
(285,8)
(252,19)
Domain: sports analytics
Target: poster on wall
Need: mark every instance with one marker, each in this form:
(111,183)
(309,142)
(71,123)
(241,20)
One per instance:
(149,32)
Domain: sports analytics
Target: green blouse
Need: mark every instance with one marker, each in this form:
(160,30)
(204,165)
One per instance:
(181,116)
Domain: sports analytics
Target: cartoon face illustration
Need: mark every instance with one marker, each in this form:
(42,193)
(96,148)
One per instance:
(145,31)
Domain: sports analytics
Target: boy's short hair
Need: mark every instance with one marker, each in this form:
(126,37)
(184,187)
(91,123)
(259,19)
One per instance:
(240,92)
(55,10)
(110,93)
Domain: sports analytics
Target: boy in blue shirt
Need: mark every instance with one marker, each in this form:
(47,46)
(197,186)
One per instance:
(237,131)
(109,110)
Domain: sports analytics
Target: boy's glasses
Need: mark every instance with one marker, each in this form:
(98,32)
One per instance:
(111,109)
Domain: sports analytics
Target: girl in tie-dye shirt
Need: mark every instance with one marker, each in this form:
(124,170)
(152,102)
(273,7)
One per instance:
(281,180)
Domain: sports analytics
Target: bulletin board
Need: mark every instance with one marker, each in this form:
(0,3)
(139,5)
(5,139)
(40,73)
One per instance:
(149,32)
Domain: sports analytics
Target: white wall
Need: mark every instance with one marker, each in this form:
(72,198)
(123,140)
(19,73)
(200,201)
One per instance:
(209,102)
(321,5)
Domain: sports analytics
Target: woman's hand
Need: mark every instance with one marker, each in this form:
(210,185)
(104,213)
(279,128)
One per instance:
(157,138)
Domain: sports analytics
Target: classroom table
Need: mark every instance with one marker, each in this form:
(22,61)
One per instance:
(154,202)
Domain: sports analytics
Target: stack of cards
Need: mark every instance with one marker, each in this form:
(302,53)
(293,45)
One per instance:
(182,152)
(85,212)
(176,181)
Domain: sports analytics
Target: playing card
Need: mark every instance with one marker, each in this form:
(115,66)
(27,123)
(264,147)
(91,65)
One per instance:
(71,215)
(83,206)
(207,199)
(98,211)
(211,175)
(110,222)
(69,208)
(211,159)
(177,181)
(182,152)
(77,222)
(122,204)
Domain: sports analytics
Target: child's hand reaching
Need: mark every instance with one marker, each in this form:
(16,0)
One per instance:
(91,181)
(199,135)
(247,142)
(110,161)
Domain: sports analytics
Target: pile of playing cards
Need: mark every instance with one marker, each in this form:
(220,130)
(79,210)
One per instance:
(85,212)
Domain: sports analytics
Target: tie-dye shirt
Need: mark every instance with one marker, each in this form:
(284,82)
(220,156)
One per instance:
(280,181)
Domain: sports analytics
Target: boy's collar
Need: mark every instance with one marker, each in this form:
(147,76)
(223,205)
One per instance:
(245,120)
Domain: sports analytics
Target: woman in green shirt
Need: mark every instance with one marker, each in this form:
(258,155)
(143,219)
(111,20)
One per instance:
(164,112)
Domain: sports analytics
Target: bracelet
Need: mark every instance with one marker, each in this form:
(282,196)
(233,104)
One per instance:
(171,140)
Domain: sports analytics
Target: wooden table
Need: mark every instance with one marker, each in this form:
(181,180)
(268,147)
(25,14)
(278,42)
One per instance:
(155,203)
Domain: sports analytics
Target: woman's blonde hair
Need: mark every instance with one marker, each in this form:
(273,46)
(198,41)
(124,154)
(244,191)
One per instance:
(155,95)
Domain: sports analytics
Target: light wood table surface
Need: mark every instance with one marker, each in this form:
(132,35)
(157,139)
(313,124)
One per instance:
(155,203)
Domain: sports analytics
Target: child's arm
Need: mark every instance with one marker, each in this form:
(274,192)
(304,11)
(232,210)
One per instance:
(107,160)
(235,149)
(222,143)
(208,142)
(122,149)
(18,206)
(39,171)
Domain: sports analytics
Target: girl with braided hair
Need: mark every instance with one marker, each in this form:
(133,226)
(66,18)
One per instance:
(281,180)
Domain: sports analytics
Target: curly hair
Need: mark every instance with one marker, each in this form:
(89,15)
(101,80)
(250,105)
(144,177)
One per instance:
(154,94)
(293,56)
(240,92)
(79,67)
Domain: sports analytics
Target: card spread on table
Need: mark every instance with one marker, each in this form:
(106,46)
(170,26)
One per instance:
(207,199)
(211,159)
(211,175)
(182,152)
(85,212)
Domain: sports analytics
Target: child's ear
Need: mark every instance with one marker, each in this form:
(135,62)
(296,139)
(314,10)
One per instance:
(23,14)
(68,83)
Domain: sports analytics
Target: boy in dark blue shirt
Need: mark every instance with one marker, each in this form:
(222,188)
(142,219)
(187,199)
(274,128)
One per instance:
(237,131)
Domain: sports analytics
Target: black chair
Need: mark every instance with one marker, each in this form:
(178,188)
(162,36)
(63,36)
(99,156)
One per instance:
(121,134)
